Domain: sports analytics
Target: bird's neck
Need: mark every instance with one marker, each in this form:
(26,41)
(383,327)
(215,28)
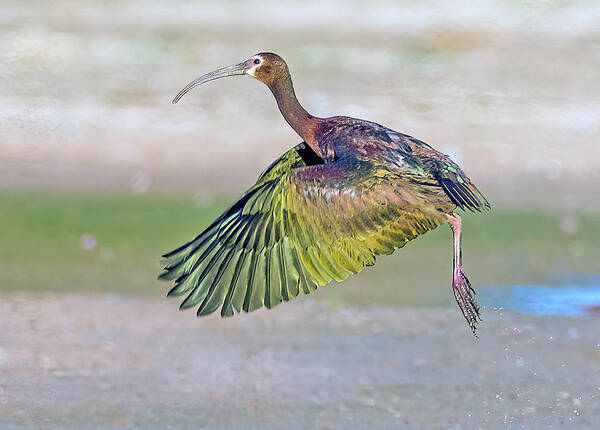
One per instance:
(296,116)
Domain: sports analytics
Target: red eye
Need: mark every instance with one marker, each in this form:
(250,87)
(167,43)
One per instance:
(257,61)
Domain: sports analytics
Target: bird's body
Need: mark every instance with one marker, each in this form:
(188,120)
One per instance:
(321,212)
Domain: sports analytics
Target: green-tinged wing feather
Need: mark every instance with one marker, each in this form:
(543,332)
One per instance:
(460,188)
(300,227)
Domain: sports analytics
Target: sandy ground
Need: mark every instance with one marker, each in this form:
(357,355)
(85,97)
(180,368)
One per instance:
(82,362)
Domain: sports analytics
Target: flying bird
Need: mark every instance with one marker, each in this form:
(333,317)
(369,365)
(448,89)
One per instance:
(350,191)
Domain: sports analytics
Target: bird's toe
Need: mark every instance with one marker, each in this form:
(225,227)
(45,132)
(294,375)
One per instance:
(465,297)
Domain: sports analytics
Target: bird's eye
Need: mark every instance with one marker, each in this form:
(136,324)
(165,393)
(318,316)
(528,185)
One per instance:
(257,61)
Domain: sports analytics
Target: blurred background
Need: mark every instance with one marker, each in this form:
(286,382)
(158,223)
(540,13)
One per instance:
(100,174)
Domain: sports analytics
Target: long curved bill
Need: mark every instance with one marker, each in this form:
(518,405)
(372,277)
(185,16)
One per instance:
(233,70)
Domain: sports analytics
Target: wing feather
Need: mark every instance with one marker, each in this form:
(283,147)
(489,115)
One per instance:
(460,189)
(301,227)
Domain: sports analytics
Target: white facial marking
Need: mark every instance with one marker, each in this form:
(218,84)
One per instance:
(251,71)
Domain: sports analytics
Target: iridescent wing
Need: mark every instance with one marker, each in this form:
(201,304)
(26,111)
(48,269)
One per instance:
(446,172)
(302,225)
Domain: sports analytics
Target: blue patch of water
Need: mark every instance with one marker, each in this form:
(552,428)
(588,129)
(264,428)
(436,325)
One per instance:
(571,299)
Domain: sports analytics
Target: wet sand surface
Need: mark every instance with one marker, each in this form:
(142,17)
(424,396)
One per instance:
(86,362)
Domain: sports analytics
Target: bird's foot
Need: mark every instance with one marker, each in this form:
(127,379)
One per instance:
(465,297)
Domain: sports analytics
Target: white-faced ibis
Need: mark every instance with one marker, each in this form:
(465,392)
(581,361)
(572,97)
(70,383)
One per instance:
(324,210)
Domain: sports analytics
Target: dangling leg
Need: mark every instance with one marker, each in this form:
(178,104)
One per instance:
(464,293)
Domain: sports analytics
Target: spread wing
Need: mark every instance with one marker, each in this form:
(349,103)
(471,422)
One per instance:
(299,227)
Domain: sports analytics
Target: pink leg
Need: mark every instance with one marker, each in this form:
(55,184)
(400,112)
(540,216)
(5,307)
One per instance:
(464,293)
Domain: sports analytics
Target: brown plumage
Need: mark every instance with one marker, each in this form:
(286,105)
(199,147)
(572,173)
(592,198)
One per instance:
(324,210)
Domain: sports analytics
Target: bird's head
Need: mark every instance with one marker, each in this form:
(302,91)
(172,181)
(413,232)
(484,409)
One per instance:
(266,67)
